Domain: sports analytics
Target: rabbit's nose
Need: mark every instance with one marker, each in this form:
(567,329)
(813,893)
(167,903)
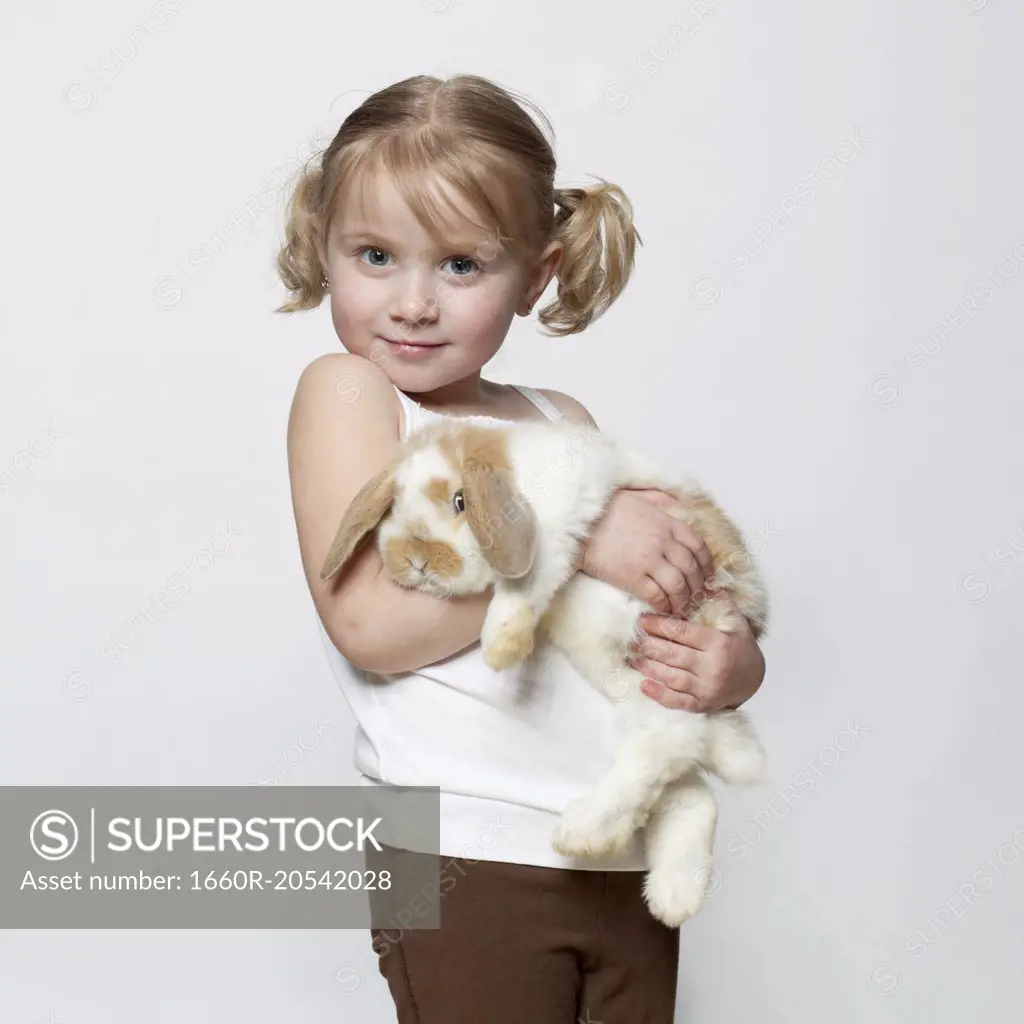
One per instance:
(412,562)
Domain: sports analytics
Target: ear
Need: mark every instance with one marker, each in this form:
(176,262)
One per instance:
(540,277)
(502,522)
(363,515)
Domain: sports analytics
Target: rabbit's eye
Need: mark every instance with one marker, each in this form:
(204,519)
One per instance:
(459,502)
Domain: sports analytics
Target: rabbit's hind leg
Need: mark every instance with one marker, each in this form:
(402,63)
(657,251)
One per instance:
(680,838)
(646,760)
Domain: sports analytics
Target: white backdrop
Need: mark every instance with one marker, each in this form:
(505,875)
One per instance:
(824,325)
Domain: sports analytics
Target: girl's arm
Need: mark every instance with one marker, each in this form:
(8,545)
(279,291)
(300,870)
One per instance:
(343,429)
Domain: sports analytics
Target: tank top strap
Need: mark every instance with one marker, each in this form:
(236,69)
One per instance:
(542,402)
(413,412)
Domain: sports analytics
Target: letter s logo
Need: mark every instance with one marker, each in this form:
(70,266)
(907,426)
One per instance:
(55,826)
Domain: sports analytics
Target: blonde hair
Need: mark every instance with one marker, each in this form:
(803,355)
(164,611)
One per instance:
(480,139)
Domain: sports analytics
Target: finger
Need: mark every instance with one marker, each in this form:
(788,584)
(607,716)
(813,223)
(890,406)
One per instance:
(675,679)
(674,582)
(650,590)
(670,698)
(694,543)
(652,649)
(686,562)
(678,679)
(684,533)
(681,631)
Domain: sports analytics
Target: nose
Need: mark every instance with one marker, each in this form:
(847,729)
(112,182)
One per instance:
(417,304)
(412,562)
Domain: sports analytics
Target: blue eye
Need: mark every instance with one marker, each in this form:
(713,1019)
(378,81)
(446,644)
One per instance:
(371,248)
(463,260)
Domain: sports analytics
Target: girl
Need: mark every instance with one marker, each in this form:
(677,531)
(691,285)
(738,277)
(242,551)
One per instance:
(431,220)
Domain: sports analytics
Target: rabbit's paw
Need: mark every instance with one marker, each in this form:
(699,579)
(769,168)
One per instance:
(589,828)
(673,896)
(510,642)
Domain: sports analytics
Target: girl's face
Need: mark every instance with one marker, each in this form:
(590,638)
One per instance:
(426,316)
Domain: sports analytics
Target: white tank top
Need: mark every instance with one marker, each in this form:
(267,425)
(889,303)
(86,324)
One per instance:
(508,750)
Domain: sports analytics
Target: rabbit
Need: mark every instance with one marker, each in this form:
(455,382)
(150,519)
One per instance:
(464,506)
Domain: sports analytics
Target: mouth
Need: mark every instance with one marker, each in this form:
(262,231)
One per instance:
(413,346)
(426,582)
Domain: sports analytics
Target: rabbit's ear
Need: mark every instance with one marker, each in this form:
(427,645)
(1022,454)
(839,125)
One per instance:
(502,521)
(366,511)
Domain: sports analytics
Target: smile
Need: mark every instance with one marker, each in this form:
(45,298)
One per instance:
(412,348)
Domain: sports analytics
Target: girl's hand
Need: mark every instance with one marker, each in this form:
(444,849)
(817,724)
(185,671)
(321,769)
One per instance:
(638,547)
(698,668)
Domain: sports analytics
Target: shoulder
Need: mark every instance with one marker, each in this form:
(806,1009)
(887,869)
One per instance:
(569,407)
(346,386)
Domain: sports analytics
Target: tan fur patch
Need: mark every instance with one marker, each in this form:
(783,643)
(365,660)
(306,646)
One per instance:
(485,446)
(401,552)
(437,492)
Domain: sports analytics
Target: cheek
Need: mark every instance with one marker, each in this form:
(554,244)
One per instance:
(394,551)
(353,307)
(445,560)
(482,312)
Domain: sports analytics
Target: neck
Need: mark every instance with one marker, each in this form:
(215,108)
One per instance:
(468,393)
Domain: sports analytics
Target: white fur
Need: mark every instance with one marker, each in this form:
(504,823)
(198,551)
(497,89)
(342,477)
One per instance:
(565,476)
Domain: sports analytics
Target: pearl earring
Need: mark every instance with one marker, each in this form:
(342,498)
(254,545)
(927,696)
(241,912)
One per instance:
(324,282)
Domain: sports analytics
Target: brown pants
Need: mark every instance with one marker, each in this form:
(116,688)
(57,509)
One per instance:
(520,944)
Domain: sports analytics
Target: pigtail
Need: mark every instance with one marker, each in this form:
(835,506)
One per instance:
(298,261)
(595,265)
